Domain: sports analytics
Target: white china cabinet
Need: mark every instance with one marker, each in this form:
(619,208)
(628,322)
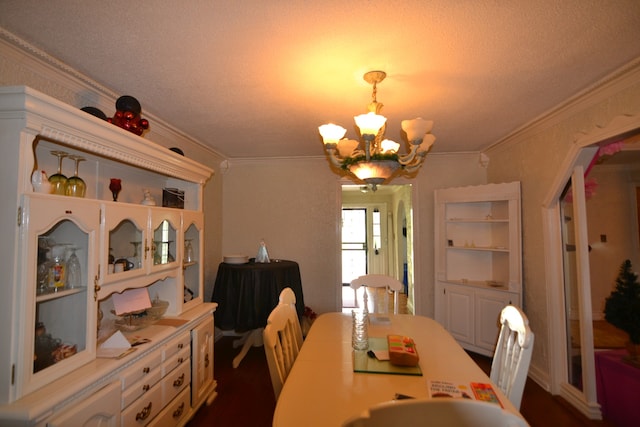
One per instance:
(65,258)
(478,260)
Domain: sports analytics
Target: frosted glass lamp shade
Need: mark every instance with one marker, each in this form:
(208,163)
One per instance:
(389,146)
(427,142)
(416,129)
(331,133)
(346,147)
(370,123)
(376,171)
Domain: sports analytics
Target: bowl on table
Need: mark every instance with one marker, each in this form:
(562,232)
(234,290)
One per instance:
(157,309)
(235,259)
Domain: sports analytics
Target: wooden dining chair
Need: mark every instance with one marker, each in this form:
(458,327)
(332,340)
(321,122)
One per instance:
(288,297)
(378,281)
(512,356)
(436,412)
(280,345)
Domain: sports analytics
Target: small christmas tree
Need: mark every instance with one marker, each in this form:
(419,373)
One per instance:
(622,307)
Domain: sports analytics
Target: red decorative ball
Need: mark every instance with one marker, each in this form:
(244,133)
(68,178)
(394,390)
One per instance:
(127,115)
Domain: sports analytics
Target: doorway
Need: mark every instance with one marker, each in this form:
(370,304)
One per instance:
(580,248)
(376,237)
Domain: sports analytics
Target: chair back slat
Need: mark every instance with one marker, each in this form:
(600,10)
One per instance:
(512,356)
(288,297)
(282,340)
(378,281)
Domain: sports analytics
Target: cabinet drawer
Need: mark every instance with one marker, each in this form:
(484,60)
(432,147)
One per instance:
(175,412)
(176,345)
(99,409)
(175,360)
(176,381)
(143,410)
(141,387)
(140,369)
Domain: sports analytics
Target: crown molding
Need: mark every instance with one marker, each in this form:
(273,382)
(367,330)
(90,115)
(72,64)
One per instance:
(71,86)
(614,83)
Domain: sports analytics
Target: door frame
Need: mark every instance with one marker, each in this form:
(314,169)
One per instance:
(414,268)
(580,152)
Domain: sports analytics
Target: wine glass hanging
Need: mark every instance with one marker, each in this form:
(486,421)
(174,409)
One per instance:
(58,180)
(76,187)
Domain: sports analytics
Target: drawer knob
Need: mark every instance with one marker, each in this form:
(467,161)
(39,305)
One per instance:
(146,370)
(178,412)
(179,381)
(180,346)
(206,360)
(146,387)
(144,414)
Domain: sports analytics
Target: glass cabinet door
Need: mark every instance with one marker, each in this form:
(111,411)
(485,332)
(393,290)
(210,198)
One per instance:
(60,271)
(126,236)
(192,266)
(165,248)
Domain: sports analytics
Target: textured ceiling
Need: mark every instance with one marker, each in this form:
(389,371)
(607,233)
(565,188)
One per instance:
(256,78)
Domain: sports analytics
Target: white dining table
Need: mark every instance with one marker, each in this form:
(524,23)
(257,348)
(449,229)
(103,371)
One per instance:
(322,388)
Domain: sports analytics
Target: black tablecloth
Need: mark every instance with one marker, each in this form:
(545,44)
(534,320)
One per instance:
(246,293)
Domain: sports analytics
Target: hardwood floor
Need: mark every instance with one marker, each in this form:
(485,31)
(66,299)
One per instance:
(245,396)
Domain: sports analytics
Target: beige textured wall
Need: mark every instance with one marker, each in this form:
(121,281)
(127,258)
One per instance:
(534,156)
(291,203)
(294,204)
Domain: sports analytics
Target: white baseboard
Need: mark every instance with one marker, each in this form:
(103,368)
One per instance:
(540,376)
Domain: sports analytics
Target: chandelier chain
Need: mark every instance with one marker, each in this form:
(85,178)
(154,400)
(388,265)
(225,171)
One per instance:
(374,93)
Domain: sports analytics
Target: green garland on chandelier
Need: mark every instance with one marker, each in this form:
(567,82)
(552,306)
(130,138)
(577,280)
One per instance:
(348,161)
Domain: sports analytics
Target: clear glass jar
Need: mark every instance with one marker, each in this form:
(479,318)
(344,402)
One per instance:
(57,269)
(74,270)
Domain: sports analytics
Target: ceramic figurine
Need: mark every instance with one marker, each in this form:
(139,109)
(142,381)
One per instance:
(40,182)
(148,198)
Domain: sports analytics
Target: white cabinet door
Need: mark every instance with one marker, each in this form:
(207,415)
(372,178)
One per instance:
(58,320)
(164,226)
(459,302)
(101,409)
(489,305)
(202,382)
(126,240)
(192,263)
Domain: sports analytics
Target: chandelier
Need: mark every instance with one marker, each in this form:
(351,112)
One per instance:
(376,160)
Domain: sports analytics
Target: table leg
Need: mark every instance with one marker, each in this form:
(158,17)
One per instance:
(251,339)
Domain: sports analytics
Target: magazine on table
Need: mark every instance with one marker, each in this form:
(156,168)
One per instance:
(473,391)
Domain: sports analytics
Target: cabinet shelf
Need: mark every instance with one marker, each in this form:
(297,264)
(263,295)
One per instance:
(478,260)
(479,220)
(490,284)
(59,294)
(479,248)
